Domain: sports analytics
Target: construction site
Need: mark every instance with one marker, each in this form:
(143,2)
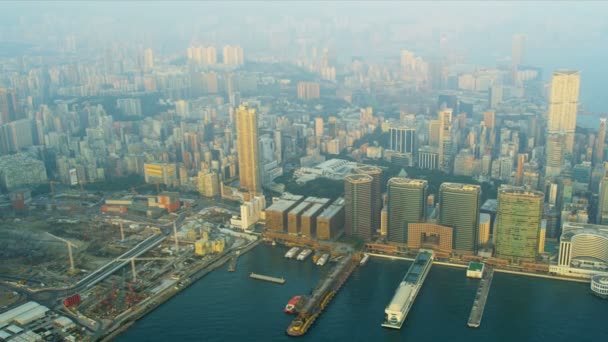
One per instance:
(55,252)
(101,268)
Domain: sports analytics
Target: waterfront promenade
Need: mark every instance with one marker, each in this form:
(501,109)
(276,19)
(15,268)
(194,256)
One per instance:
(499,270)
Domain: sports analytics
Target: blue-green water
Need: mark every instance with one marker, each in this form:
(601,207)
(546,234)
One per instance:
(231,307)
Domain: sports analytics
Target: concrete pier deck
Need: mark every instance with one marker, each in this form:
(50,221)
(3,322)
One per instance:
(267,278)
(480,298)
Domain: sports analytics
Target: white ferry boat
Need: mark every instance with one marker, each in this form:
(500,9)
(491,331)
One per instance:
(292,252)
(364,260)
(304,254)
(323,259)
(405,295)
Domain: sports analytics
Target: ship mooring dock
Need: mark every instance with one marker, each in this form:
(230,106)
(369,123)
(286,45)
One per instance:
(480,298)
(321,296)
(233,261)
(267,278)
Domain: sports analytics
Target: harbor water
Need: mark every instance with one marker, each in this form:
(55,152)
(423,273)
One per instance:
(229,306)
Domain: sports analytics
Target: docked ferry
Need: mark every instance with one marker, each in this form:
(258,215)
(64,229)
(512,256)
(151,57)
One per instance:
(599,286)
(291,253)
(364,260)
(323,259)
(304,254)
(405,295)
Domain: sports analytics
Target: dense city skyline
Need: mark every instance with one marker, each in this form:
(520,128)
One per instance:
(144,145)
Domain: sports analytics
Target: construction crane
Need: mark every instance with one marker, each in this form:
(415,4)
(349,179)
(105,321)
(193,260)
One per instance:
(132,260)
(175,237)
(70,244)
(122,232)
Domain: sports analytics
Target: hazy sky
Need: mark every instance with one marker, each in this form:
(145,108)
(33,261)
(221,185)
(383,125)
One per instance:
(559,34)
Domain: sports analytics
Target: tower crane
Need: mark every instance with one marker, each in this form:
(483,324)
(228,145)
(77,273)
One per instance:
(70,244)
(132,260)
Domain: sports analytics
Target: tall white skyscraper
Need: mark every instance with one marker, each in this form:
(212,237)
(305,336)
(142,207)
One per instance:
(233,55)
(563,104)
(445,139)
(602,210)
(148,59)
(517,49)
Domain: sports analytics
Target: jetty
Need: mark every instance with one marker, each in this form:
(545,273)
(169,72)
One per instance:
(480,298)
(267,278)
(232,264)
(321,296)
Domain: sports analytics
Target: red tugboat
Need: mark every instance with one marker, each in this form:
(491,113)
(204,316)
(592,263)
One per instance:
(290,308)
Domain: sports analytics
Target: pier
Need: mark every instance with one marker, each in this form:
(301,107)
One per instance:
(321,296)
(267,278)
(232,264)
(480,298)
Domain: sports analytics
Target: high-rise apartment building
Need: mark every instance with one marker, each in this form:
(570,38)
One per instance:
(489,118)
(598,155)
(517,49)
(148,59)
(402,139)
(555,151)
(602,210)
(129,106)
(494,96)
(459,208)
(8,105)
(319,128)
(202,55)
(406,204)
(358,206)
(160,173)
(517,226)
(485,221)
(16,135)
(434,133)
(445,139)
(563,104)
(247,149)
(233,55)
(376,199)
(309,90)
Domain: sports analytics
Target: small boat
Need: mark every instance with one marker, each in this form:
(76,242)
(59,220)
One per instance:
(291,305)
(304,254)
(316,257)
(364,260)
(323,260)
(291,253)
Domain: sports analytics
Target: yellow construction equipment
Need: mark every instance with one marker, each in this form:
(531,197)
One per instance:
(70,244)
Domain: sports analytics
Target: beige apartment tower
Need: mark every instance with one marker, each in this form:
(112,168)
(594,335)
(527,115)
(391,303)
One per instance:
(247,148)
(376,196)
(358,206)
(459,208)
(563,104)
